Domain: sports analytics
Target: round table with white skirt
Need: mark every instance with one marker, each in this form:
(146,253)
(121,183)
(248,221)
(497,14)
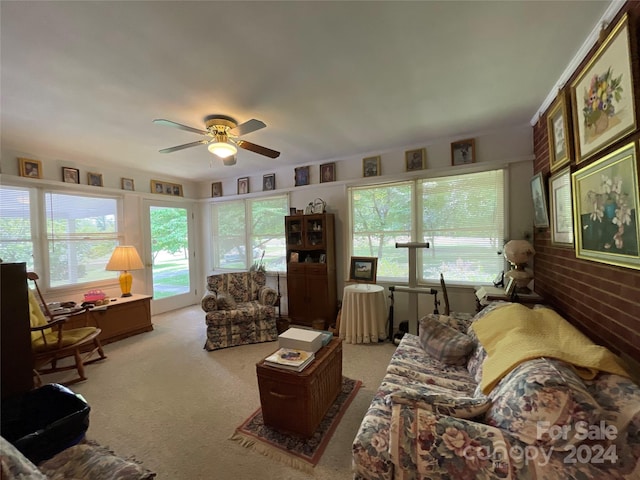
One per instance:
(363,314)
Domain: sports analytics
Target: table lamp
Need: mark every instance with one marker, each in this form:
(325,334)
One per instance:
(125,258)
(518,253)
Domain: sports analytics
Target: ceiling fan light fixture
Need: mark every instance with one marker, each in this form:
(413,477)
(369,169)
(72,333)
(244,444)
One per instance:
(222,149)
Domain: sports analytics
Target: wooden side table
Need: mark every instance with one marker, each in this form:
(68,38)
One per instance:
(296,402)
(122,318)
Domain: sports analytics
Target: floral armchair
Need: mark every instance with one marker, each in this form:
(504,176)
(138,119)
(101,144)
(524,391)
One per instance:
(240,309)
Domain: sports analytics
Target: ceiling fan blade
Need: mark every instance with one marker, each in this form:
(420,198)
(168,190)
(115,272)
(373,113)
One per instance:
(182,147)
(169,123)
(247,127)
(267,152)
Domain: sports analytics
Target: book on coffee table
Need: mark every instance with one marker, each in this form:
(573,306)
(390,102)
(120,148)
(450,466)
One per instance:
(290,359)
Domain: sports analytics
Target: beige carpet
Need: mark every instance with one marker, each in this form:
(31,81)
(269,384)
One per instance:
(163,399)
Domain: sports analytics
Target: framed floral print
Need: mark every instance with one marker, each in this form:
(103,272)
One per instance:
(558,133)
(605,199)
(561,211)
(602,99)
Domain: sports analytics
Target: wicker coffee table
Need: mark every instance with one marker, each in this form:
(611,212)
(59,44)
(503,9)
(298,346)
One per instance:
(296,402)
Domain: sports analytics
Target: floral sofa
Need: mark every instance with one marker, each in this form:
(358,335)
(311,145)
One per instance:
(83,461)
(240,309)
(430,420)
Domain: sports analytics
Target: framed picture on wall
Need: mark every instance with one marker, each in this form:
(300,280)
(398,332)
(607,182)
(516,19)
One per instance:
(605,200)
(269,182)
(127,184)
(216,189)
(70,175)
(415,159)
(371,166)
(558,132)
(538,195)
(463,152)
(243,185)
(328,172)
(602,96)
(301,176)
(561,211)
(94,179)
(30,168)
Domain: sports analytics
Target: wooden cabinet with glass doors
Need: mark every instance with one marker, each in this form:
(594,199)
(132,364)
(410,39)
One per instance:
(311,269)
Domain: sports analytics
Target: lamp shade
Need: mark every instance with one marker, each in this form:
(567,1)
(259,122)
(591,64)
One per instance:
(518,252)
(222,149)
(125,258)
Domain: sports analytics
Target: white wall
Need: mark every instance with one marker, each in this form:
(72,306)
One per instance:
(512,146)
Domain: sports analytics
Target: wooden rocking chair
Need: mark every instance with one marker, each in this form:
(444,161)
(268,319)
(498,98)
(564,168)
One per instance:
(50,342)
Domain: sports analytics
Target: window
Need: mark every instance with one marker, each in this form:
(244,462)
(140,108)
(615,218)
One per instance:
(461,217)
(16,240)
(258,223)
(82,232)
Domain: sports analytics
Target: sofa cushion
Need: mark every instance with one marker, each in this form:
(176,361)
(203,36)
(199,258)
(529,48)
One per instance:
(444,343)
(225,301)
(541,402)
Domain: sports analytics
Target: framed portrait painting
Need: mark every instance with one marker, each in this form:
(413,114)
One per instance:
(30,168)
(371,166)
(70,175)
(243,185)
(269,182)
(602,100)
(416,159)
(605,199)
(328,172)
(558,133)
(216,189)
(539,197)
(561,210)
(363,269)
(301,176)
(94,179)
(127,184)
(463,152)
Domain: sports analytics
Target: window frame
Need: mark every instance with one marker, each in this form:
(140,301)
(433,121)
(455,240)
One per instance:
(417,228)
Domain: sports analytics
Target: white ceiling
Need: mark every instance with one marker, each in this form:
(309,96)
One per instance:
(82,81)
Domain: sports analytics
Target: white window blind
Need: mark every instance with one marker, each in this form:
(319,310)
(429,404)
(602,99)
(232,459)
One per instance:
(16,241)
(463,221)
(82,232)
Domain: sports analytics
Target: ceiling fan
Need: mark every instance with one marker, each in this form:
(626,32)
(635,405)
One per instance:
(222,134)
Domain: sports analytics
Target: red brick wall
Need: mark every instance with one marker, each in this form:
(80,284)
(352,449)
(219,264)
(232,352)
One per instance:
(602,300)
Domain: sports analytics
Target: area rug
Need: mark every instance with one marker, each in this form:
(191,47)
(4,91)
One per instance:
(303,454)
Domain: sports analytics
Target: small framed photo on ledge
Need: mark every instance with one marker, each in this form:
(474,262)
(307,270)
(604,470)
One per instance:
(94,179)
(463,152)
(216,189)
(30,168)
(371,166)
(416,159)
(127,184)
(70,175)
(268,182)
(328,172)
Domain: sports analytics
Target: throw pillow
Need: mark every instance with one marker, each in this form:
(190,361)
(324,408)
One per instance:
(541,402)
(225,302)
(444,343)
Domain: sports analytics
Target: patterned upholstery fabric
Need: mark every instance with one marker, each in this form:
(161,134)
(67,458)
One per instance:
(444,343)
(427,421)
(253,320)
(79,461)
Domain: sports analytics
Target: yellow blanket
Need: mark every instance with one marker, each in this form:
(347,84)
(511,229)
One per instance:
(515,333)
